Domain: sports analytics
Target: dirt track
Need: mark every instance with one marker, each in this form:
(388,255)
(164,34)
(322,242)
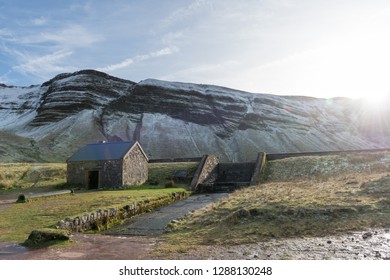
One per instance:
(85,247)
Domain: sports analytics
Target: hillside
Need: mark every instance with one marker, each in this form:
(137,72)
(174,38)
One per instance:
(49,122)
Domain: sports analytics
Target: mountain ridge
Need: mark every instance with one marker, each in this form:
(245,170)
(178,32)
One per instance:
(176,119)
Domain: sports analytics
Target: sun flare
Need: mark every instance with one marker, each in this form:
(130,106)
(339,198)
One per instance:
(379,102)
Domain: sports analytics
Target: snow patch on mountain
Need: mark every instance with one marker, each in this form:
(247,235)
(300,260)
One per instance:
(205,89)
(18,106)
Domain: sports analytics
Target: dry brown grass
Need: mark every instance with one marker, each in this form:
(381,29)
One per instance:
(28,175)
(161,173)
(325,167)
(307,196)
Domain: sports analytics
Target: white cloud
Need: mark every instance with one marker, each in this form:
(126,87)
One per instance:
(39,21)
(109,68)
(41,55)
(162,52)
(4,31)
(73,35)
(128,61)
(184,13)
(4,79)
(42,66)
(5,34)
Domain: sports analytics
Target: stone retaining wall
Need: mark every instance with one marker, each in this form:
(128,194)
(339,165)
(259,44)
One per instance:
(104,219)
(207,171)
(260,164)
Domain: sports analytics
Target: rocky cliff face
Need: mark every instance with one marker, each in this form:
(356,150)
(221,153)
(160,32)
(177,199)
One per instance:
(68,94)
(170,119)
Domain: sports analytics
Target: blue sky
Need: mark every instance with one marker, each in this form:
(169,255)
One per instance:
(319,48)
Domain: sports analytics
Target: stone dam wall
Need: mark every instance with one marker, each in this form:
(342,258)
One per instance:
(326,153)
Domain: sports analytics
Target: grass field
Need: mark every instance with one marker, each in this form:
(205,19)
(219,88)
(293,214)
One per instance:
(161,173)
(31,175)
(303,196)
(18,220)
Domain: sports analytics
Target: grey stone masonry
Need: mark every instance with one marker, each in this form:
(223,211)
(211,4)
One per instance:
(110,173)
(102,167)
(207,171)
(135,167)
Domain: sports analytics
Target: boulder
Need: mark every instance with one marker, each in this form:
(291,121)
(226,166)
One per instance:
(45,237)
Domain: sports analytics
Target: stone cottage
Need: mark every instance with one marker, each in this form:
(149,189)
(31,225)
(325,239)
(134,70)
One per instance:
(108,165)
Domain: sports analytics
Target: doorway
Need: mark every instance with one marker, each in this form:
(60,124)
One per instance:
(93,179)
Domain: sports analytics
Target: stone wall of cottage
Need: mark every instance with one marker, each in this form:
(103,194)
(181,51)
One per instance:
(110,173)
(75,173)
(135,168)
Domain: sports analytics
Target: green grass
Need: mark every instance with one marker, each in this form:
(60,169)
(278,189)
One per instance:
(19,219)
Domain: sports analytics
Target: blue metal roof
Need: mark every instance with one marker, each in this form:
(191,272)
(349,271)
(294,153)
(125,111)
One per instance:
(102,151)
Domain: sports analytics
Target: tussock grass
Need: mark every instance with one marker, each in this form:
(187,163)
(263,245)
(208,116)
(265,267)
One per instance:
(164,172)
(30,175)
(307,196)
(325,167)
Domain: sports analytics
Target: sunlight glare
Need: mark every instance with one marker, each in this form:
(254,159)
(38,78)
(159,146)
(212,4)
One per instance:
(378,102)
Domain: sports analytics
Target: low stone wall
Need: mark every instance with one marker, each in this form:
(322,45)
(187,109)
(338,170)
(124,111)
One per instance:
(193,159)
(104,219)
(327,153)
